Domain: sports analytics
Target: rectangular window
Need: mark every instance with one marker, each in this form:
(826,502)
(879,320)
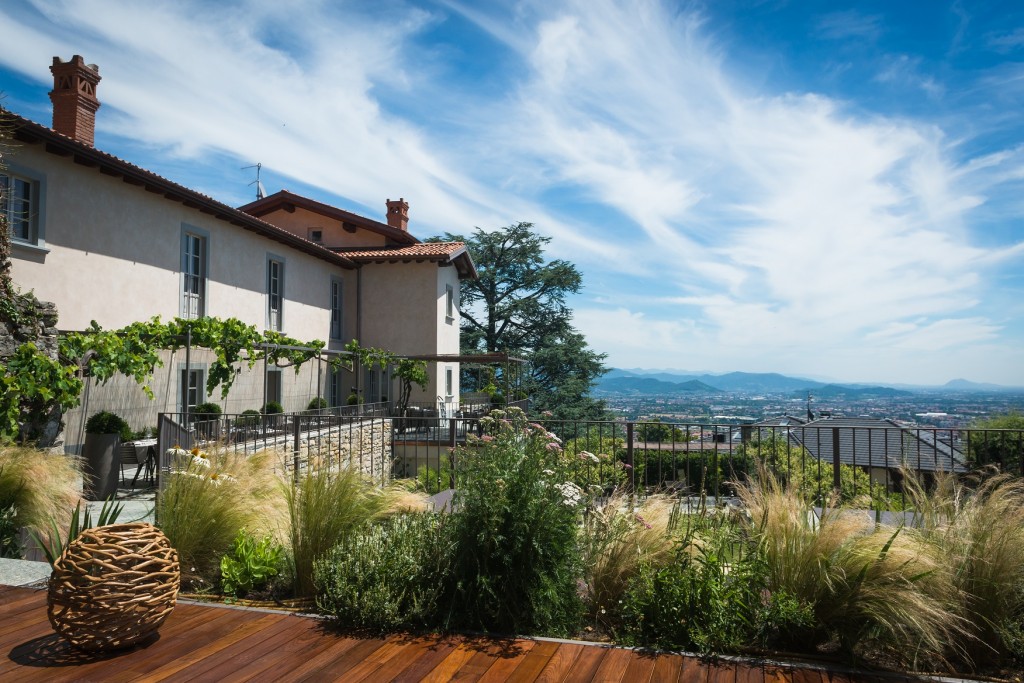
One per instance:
(275,294)
(274,382)
(336,329)
(448,382)
(192,386)
(449,303)
(193,272)
(17,199)
(339,395)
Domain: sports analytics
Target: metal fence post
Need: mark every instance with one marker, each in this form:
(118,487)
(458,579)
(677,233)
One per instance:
(629,455)
(451,452)
(295,445)
(836,481)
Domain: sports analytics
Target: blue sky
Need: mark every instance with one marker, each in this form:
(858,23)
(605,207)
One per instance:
(829,189)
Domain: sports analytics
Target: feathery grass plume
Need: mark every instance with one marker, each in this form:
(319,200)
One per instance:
(870,586)
(617,538)
(43,488)
(977,526)
(324,507)
(208,499)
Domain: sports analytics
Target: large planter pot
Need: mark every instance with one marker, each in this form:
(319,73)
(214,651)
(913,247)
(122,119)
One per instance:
(101,465)
(113,586)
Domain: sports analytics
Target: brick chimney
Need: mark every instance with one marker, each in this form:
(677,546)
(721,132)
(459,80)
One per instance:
(398,214)
(74,98)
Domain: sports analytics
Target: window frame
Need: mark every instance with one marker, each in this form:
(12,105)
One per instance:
(336,305)
(449,381)
(191,235)
(272,323)
(36,219)
(185,387)
(449,303)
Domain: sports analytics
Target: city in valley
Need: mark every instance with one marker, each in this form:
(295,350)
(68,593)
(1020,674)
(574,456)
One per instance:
(752,398)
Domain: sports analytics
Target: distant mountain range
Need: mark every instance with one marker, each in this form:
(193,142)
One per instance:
(619,381)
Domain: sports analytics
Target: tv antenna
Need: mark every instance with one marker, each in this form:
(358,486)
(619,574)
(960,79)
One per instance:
(260,193)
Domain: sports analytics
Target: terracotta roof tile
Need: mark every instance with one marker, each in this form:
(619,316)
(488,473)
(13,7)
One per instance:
(428,250)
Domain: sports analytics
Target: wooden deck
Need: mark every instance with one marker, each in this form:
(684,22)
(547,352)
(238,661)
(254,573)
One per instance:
(214,643)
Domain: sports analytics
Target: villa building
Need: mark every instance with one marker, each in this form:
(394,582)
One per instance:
(106,240)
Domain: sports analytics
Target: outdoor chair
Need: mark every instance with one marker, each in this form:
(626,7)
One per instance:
(149,466)
(129,456)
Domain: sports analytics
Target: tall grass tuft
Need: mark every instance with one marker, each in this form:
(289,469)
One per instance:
(977,526)
(617,539)
(38,488)
(208,500)
(869,586)
(325,506)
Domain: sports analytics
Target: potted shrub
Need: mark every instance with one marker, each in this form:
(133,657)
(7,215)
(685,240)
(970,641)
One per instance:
(101,455)
(317,404)
(271,411)
(206,418)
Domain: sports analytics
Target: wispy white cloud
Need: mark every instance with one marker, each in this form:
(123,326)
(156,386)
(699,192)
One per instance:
(728,221)
(849,24)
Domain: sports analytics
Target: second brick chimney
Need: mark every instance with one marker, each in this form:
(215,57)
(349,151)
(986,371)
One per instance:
(398,214)
(74,98)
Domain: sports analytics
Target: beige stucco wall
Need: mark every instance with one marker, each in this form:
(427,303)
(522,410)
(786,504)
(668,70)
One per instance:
(115,257)
(404,311)
(301,221)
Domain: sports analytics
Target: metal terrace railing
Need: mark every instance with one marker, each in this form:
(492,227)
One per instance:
(864,460)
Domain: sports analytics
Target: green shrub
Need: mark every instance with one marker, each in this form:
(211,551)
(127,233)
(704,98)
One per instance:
(385,575)
(206,409)
(251,564)
(272,408)
(354,399)
(317,404)
(516,561)
(248,418)
(105,422)
(324,508)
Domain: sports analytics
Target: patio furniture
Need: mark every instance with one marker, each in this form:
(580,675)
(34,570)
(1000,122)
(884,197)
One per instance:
(149,466)
(113,586)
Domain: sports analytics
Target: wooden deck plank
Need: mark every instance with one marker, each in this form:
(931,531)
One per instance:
(560,664)
(211,643)
(586,665)
(226,665)
(613,666)
(640,667)
(534,662)
(720,671)
(692,671)
(414,647)
(426,661)
(506,663)
(276,656)
(334,662)
(447,667)
(666,668)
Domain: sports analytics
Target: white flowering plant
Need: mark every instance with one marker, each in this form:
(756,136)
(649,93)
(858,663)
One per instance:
(516,560)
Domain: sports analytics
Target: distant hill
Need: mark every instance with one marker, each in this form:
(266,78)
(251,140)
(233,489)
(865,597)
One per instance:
(648,385)
(750,382)
(967,385)
(839,391)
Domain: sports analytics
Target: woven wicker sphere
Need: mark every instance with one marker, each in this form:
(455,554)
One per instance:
(113,586)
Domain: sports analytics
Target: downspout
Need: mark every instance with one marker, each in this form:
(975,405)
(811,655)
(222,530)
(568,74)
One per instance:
(359,327)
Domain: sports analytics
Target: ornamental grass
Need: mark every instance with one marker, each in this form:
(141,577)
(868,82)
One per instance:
(40,488)
(871,587)
(326,505)
(209,498)
(617,539)
(977,526)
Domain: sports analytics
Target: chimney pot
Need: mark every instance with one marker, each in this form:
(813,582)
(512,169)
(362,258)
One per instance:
(74,98)
(398,214)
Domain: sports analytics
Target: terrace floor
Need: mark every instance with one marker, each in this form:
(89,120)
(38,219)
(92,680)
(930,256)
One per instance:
(218,643)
